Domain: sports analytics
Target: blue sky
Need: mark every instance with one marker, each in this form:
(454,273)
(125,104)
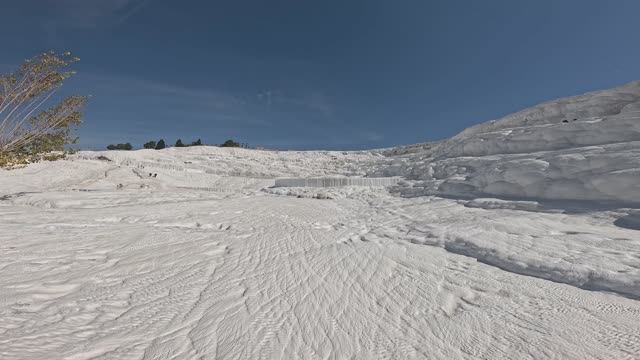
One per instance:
(320,74)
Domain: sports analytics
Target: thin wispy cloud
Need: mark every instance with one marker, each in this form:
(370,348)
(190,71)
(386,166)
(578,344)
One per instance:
(372,136)
(163,93)
(319,102)
(203,111)
(217,99)
(313,101)
(86,13)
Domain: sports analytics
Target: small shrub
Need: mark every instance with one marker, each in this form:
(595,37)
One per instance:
(160,145)
(15,159)
(196,143)
(179,143)
(12,159)
(53,156)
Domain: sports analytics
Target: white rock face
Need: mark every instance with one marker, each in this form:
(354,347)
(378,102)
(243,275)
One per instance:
(336,182)
(579,148)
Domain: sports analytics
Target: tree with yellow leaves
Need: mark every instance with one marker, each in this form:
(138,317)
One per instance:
(29,125)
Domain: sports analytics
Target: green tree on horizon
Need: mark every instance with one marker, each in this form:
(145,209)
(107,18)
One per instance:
(230,143)
(150,145)
(126,146)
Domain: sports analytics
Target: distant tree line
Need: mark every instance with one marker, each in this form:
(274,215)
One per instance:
(160,144)
(194,143)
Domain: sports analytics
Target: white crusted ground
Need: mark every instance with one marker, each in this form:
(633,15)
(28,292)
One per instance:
(493,248)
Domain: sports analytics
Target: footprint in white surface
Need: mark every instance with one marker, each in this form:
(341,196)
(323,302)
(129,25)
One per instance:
(456,301)
(224,227)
